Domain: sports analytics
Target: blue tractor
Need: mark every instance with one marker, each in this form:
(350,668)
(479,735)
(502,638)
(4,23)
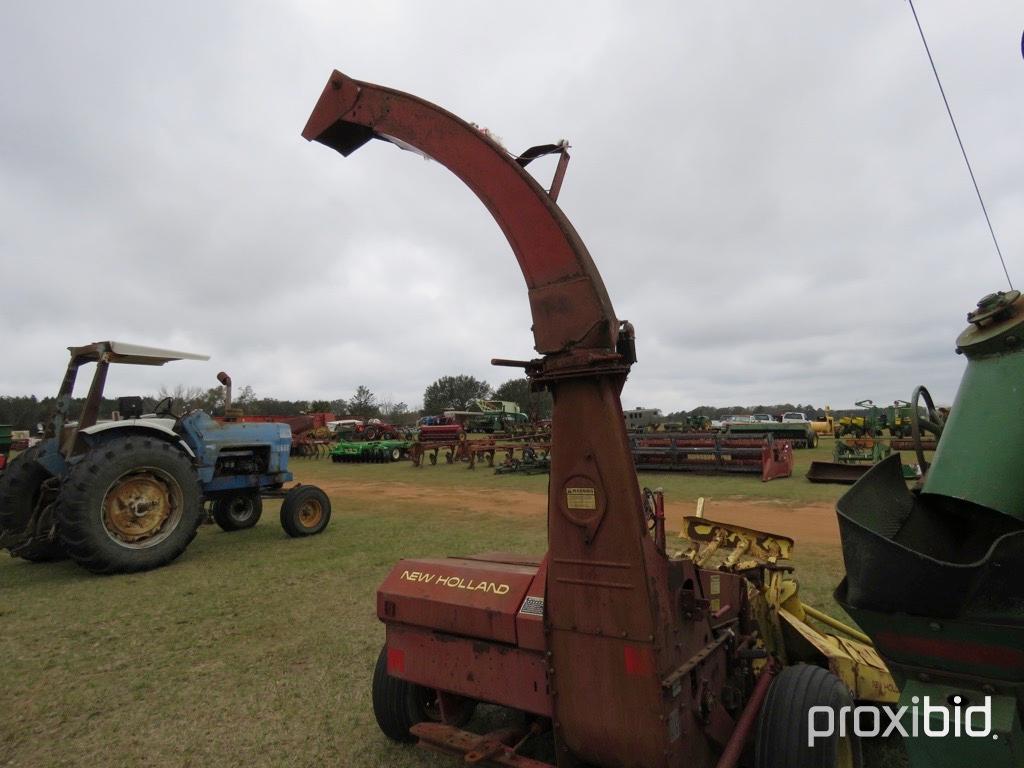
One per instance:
(129,494)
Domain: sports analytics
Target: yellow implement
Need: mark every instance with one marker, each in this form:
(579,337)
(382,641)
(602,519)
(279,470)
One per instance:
(783,620)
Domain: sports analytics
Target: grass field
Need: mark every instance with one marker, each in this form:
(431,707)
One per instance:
(256,649)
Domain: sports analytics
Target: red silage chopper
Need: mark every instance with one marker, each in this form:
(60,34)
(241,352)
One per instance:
(628,656)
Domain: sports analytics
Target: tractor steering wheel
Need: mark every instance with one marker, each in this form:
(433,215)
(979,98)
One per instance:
(163,408)
(934,423)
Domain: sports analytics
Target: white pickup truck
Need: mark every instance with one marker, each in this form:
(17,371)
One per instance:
(795,416)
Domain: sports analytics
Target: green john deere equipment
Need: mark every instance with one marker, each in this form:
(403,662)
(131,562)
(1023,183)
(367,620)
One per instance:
(934,576)
(5,444)
(369,451)
(852,457)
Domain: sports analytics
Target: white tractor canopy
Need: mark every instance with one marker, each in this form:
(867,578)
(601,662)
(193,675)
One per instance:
(130,354)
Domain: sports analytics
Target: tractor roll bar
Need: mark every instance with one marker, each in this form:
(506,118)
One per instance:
(568,300)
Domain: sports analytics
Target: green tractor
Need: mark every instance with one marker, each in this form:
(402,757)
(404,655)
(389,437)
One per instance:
(935,575)
(5,444)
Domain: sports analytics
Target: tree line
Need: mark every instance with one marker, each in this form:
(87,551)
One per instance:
(456,392)
(717,412)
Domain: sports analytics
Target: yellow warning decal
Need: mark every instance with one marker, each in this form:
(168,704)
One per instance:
(580,498)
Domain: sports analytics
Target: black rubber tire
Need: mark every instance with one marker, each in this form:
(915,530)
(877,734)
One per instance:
(782,724)
(296,517)
(812,440)
(237,511)
(396,454)
(42,552)
(398,705)
(80,513)
(19,489)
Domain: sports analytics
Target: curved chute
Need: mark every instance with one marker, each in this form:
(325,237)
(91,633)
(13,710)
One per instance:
(570,305)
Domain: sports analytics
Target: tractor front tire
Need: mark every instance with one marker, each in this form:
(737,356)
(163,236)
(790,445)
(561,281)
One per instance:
(782,730)
(305,511)
(130,504)
(20,486)
(237,511)
(398,705)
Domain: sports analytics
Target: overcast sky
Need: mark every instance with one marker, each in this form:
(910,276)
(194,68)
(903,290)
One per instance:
(771,191)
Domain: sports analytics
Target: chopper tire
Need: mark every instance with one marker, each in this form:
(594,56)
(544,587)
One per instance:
(100,529)
(782,729)
(237,511)
(305,511)
(398,705)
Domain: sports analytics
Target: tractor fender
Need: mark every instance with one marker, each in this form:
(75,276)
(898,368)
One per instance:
(154,427)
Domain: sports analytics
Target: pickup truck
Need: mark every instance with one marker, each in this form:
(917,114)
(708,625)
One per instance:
(762,417)
(794,416)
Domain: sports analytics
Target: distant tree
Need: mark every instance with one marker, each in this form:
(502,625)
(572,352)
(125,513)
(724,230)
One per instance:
(22,412)
(536,405)
(339,406)
(363,404)
(454,393)
(245,397)
(186,398)
(211,401)
(320,406)
(392,412)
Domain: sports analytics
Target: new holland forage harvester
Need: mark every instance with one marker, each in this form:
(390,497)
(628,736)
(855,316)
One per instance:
(628,656)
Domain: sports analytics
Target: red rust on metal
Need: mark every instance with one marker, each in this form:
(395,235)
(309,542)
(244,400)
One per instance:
(498,673)
(490,750)
(734,748)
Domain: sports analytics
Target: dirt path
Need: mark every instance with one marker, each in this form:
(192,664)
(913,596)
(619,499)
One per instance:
(805,523)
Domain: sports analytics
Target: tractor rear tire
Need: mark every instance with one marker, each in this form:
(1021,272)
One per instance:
(130,504)
(305,511)
(237,511)
(398,705)
(782,730)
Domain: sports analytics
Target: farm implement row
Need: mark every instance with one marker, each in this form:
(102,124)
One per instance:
(525,454)
(796,434)
(713,453)
(853,457)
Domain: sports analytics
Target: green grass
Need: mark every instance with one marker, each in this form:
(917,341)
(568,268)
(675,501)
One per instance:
(256,649)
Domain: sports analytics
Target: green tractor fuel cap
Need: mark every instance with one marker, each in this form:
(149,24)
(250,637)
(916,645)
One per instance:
(996,325)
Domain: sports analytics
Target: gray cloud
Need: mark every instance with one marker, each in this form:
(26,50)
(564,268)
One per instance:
(772,192)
